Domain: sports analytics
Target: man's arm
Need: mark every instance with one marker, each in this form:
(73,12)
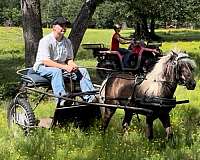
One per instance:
(50,63)
(122,40)
(125,38)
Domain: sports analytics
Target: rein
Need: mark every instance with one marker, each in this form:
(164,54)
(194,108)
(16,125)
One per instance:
(113,75)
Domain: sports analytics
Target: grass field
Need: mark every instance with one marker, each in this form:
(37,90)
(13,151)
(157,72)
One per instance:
(74,144)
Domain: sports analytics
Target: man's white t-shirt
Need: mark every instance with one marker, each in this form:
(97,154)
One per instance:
(50,48)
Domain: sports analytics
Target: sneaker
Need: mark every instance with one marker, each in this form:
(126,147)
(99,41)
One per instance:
(62,102)
(93,99)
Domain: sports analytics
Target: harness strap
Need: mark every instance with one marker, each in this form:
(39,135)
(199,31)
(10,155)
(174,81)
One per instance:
(156,102)
(138,81)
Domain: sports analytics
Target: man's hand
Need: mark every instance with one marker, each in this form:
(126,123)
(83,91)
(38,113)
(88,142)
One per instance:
(68,68)
(73,65)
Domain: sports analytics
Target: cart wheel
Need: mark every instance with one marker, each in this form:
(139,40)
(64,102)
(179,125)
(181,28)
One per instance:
(20,116)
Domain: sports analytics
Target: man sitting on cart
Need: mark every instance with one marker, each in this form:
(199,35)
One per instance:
(55,55)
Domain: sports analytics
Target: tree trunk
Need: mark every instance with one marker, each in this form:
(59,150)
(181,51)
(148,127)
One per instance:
(32,29)
(144,30)
(152,26)
(153,35)
(141,28)
(81,23)
(137,33)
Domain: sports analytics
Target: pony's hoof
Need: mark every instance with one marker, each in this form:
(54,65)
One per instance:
(125,135)
(169,133)
(169,136)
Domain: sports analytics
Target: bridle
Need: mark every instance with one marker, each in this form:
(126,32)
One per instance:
(174,65)
(177,69)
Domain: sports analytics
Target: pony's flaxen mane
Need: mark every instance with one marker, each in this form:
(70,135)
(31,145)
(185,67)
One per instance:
(185,59)
(157,72)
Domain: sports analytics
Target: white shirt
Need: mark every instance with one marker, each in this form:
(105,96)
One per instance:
(50,48)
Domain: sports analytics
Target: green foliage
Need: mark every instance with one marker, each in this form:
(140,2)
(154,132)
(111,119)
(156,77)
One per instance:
(71,8)
(84,54)
(105,14)
(50,9)
(38,145)
(13,15)
(111,11)
(181,11)
(10,12)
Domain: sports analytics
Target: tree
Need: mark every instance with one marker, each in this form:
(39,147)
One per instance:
(50,10)
(141,13)
(144,13)
(109,13)
(180,11)
(81,23)
(32,28)
(70,8)
(10,12)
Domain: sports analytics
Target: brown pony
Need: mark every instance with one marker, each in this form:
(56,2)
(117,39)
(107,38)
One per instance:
(160,83)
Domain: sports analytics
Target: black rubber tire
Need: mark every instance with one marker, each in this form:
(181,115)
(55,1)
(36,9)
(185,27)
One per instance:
(27,114)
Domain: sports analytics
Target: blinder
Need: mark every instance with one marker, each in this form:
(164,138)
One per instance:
(176,67)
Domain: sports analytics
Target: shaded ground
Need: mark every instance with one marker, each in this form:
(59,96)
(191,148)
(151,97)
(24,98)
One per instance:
(182,35)
(9,64)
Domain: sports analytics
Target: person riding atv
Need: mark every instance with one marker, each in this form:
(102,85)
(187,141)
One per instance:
(138,57)
(138,53)
(142,54)
(117,39)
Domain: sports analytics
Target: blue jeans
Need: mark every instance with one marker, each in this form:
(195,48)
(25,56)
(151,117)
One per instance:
(57,81)
(85,83)
(128,57)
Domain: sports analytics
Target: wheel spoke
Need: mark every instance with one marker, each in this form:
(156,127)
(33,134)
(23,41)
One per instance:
(20,116)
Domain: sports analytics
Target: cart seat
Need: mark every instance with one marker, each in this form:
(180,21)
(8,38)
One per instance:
(34,79)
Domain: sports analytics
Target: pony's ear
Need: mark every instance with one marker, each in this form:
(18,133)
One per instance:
(174,55)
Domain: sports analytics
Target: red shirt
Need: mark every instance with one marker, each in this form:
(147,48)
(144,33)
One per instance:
(115,42)
(136,50)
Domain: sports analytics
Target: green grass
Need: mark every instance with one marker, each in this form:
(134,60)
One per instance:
(180,35)
(74,144)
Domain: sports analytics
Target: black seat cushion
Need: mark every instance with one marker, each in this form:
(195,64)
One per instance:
(35,79)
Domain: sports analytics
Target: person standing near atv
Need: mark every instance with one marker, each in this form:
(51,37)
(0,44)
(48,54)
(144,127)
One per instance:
(55,55)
